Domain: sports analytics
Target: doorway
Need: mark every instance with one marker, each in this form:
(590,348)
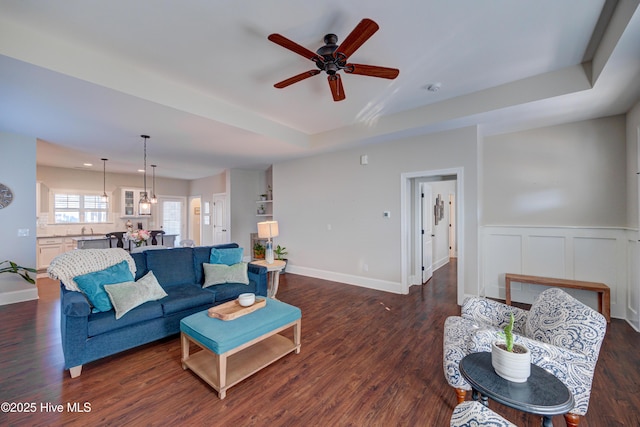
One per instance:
(221,231)
(411,237)
(172,216)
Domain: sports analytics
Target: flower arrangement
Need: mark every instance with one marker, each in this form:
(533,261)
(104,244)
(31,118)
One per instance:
(137,236)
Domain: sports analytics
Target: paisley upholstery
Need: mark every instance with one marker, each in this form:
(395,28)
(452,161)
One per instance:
(472,413)
(563,335)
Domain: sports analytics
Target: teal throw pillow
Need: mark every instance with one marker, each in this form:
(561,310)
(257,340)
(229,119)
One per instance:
(227,256)
(92,284)
(128,295)
(217,274)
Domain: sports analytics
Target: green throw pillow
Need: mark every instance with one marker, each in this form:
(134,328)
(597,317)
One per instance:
(127,296)
(217,274)
(92,284)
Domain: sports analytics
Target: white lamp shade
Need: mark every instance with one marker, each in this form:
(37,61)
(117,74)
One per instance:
(267,229)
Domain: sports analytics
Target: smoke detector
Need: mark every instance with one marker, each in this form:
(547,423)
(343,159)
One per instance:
(433,87)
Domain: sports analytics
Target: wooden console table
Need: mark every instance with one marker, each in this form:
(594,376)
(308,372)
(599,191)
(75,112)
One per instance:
(604,293)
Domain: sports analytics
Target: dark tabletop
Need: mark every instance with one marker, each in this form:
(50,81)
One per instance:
(541,394)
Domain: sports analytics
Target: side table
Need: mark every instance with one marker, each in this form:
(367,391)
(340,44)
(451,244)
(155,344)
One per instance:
(273,270)
(542,394)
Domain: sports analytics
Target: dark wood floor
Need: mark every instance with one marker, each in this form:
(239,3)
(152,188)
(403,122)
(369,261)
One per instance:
(368,358)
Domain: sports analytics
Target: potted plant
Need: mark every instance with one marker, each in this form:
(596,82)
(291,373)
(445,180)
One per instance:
(263,197)
(510,361)
(17,269)
(258,250)
(261,210)
(280,252)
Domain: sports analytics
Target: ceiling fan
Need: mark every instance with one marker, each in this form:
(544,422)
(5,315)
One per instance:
(332,58)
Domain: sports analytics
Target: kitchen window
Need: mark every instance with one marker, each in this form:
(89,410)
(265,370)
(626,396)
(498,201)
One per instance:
(79,207)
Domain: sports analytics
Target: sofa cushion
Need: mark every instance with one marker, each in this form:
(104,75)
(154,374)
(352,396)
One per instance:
(185,297)
(229,291)
(92,284)
(129,295)
(141,264)
(227,256)
(201,254)
(99,323)
(217,274)
(172,266)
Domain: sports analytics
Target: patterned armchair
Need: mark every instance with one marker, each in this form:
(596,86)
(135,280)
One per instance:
(563,335)
(472,413)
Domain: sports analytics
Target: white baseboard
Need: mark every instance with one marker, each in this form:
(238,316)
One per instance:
(12,291)
(365,282)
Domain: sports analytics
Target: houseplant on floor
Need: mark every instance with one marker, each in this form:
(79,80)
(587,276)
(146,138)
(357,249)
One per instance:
(280,252)
(17,269)
(510,361)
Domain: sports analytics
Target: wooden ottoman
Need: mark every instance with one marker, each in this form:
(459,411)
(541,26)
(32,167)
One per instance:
(236,349)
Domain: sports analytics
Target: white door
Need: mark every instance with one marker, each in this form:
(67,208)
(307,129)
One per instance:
(172,213)
(427,232)
(220,220)
(452,226)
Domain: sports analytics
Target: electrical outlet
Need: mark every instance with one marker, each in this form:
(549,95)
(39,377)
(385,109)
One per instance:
(365,267)
(23,232)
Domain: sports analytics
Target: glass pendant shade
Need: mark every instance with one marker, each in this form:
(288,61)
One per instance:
(144,206)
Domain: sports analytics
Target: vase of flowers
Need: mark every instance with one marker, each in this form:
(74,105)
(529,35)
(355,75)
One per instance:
(138,237)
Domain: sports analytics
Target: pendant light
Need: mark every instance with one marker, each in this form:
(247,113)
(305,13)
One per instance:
(104,198)
(144,206)
(154,198)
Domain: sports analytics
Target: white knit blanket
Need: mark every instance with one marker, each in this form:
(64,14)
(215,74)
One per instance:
(74,263)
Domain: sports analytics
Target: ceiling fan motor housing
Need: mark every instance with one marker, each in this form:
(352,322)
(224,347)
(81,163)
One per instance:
(331,64)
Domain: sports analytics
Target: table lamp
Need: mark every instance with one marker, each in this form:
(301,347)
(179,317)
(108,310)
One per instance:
(267,230)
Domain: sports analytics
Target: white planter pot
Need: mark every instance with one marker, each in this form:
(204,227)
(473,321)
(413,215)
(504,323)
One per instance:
(514,367)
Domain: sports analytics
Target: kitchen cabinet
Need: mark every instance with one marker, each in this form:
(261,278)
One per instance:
(48,249)
(129,198)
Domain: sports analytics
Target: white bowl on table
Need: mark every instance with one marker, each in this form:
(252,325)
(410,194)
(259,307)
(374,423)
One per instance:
(246,300)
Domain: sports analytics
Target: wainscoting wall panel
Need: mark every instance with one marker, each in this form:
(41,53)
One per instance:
(591,254)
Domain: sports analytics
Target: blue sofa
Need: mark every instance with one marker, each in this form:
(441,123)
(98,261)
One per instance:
(88,336)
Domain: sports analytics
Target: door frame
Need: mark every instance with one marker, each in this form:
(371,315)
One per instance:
(406,216)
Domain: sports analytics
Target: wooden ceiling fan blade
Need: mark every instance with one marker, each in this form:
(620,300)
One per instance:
(335,83)
(295,47)
(372,70)
(296,79)
(360,34)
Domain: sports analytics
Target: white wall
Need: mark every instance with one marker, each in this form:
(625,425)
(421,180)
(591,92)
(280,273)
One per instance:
(206,188)
(330,208)
(555,205)
(245,188)
(571,174)
(18,172)
(633,256)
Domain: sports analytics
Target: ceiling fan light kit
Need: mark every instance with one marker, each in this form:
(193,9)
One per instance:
(332,58)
